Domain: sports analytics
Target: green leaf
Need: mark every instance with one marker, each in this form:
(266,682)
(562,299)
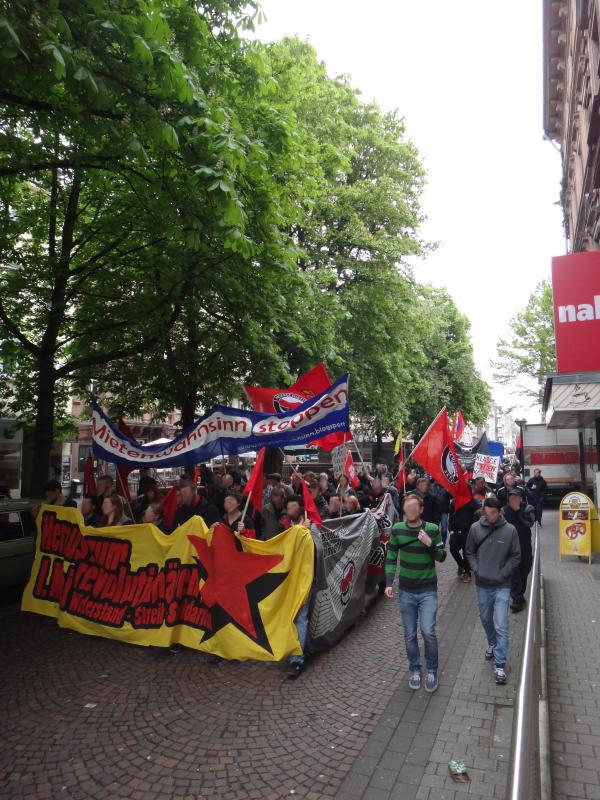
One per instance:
(169,136)
(142,50)
(4,23)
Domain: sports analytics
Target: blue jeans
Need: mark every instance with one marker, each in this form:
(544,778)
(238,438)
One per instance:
(493,611)
(302,628)
(444,527)
(421,607)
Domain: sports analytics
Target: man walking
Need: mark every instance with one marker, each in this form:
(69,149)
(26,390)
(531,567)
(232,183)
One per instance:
(494,554)
(521,516)
(419,545)
(536,491)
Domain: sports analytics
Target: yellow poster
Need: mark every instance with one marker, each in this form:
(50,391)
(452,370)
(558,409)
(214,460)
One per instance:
(576,525)
(211,590)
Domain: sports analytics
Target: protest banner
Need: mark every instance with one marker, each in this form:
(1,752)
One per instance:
(487,466)
(338,454)
(227,431)
(312,383)
(211,590)
(342,560)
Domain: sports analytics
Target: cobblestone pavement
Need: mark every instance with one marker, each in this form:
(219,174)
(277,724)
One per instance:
(90,718)
(85,717)
(572,590)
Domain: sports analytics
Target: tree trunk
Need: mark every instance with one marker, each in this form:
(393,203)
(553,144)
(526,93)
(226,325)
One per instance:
(273,460)
(43,434)
(378,447)
(188,416)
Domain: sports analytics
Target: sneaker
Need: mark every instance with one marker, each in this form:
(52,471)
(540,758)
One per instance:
(431,682)
(489,654)
(466,577)
(415,681)
(460,572)
(500,675)
(294,670)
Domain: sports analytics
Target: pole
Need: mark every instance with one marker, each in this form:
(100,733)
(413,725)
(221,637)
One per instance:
(125,495)
(582,461)
(353,441)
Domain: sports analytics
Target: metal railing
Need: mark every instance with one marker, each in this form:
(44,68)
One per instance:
(529,777)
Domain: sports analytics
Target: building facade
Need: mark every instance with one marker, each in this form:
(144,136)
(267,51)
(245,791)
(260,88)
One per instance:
(572,112)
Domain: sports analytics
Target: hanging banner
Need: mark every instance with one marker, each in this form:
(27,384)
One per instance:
(386,517)
(228,431)
(342,560)
(210,590)
(487,466)
(576,525)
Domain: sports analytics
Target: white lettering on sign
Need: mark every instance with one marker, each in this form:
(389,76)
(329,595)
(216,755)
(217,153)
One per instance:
(581,313)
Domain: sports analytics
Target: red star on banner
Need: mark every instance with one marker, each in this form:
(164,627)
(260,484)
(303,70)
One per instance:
(232,581)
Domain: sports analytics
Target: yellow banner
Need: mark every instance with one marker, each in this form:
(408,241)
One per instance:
(211,590)
(576,525)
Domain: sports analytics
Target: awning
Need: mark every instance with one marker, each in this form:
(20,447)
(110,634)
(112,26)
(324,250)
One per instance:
(572,400)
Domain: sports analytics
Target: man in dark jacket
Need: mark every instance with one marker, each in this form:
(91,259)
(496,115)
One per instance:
(536,492)
(272,514)
(192,505)
(521,516)
(494,554)
(460,524)
(510,484)
(431,505)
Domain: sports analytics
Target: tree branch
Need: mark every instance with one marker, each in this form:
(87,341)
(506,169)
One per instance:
(14,330)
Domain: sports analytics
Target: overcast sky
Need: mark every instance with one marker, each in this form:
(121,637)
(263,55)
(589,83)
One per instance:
(467,77)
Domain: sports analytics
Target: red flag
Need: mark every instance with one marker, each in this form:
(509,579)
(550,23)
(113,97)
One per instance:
(350,470)
(122,471)
(436,454)
(89,481)
(308,385)
(459,426)
(309,505)
(401,476)
(254,487)
(169,504)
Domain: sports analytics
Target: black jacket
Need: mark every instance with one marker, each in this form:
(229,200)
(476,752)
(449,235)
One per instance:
(466,515)
(523,522)
(432,511)
(541,487)
(208,512)
(502,494)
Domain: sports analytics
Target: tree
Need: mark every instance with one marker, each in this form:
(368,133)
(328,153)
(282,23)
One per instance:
(360,191)
(529,355)
(122,163)
(448,373)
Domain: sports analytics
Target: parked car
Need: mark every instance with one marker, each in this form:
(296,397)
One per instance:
(17,541)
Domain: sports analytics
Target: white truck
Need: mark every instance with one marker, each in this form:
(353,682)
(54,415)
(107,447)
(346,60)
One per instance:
(556,452)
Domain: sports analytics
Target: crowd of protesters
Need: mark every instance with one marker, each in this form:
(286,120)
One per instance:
(490,537)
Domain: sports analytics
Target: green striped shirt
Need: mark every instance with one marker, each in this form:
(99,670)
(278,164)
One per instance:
(417,562)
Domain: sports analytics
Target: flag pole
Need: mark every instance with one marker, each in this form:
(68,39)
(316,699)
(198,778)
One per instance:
(125,494)
(353,441)
(245,511)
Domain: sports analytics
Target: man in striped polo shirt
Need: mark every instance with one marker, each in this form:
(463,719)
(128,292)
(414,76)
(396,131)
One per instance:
(419,545)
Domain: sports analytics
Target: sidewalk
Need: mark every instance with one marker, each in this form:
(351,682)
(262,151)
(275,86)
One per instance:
(469,718)
(572,590)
